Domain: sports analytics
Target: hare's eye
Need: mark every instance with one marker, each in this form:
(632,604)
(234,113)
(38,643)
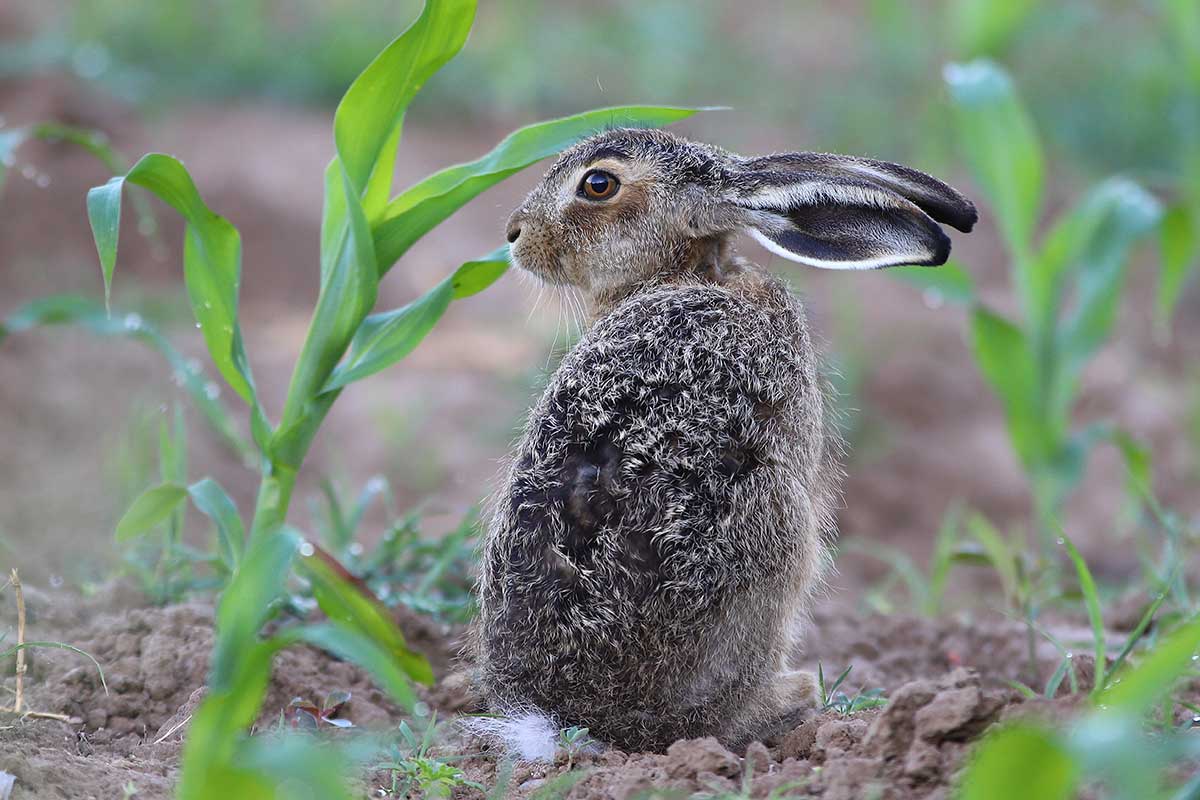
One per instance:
(599,185)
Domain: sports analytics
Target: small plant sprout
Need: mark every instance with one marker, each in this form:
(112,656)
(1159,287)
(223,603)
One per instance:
(306,715)
(833,699)
(574,741)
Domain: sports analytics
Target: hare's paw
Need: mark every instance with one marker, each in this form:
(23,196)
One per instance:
(796,689)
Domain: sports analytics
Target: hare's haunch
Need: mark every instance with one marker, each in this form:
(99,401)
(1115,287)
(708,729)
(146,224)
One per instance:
(665,518)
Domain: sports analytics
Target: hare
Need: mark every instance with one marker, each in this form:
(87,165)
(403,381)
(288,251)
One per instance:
(666,516)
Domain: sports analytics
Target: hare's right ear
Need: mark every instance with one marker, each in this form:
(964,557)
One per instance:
(838,212)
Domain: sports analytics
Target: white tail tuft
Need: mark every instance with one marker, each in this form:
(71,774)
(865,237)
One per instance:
(527,734)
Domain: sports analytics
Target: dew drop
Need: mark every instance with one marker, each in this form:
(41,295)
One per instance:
(197,326)
(421,709)
(306,549)
(56,581)
(1070,655)
(933,297)
(212,391)
(1061,541)
(28,172)
(355,549)
(133,322)
(376,484)
(42,181)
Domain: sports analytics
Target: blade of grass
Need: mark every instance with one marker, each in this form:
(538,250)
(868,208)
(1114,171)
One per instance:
(1095,615)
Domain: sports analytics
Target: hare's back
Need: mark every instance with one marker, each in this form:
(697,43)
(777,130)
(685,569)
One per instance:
(663,463)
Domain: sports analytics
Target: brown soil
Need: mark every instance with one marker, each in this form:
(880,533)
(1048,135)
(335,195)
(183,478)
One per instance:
(944,679)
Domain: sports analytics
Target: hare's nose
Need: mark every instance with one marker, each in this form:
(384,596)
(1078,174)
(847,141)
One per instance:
(513,232)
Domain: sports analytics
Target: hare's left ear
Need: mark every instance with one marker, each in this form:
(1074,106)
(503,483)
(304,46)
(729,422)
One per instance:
(838,212)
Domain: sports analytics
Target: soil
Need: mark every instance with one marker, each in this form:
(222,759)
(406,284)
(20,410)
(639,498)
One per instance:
(437,426)
(944,680)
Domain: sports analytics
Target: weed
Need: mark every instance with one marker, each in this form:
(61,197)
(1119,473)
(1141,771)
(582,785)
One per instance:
(573,741)
(415,769)
(310,716)
(832,699)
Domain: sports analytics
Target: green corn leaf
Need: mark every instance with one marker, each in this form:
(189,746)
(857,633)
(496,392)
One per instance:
(246,605)
(986,27)
(348,643)
(1004,358)
(215,733)
(1020,761)
(306,763)
(215,503)
(1179,245)
(151,507)
(342,600)
(349,285)
(422,207)
(1091,599)
(1127,213)
(948,282)
(383,339)
(1136,689)
(369,114)
(75,310)
(999,555)
(1000,142)
(212,257)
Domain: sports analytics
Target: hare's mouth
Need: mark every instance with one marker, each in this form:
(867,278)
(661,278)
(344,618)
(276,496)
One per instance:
(544,266)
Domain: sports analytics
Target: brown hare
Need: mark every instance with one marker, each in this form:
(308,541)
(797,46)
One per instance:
(666,516)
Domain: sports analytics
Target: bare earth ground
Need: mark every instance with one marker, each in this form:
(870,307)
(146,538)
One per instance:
(436,426)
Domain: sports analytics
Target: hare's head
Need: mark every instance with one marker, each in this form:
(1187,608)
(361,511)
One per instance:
(628,206)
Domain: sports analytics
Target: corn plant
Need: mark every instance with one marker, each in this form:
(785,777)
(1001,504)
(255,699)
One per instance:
(1110,750)
(1068,283)
(364,233)
(1180,240)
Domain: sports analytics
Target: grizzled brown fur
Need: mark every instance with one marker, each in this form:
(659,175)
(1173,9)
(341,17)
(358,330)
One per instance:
(666,516)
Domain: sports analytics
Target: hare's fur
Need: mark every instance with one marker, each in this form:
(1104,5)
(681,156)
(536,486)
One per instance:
(665,518)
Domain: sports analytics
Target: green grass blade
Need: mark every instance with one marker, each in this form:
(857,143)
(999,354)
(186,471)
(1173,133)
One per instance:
(344,602)
(420,208)
(215,503)
(150,508)
(373,106)
(1091,599)
(1000,143)
(59,646)
(1020,761)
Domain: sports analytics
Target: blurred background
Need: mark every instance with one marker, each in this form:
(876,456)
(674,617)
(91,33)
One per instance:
(243,92)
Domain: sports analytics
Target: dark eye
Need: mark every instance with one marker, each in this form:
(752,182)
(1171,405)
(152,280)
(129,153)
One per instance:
(599,185)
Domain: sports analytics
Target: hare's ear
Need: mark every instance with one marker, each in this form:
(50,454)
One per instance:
(838,212)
